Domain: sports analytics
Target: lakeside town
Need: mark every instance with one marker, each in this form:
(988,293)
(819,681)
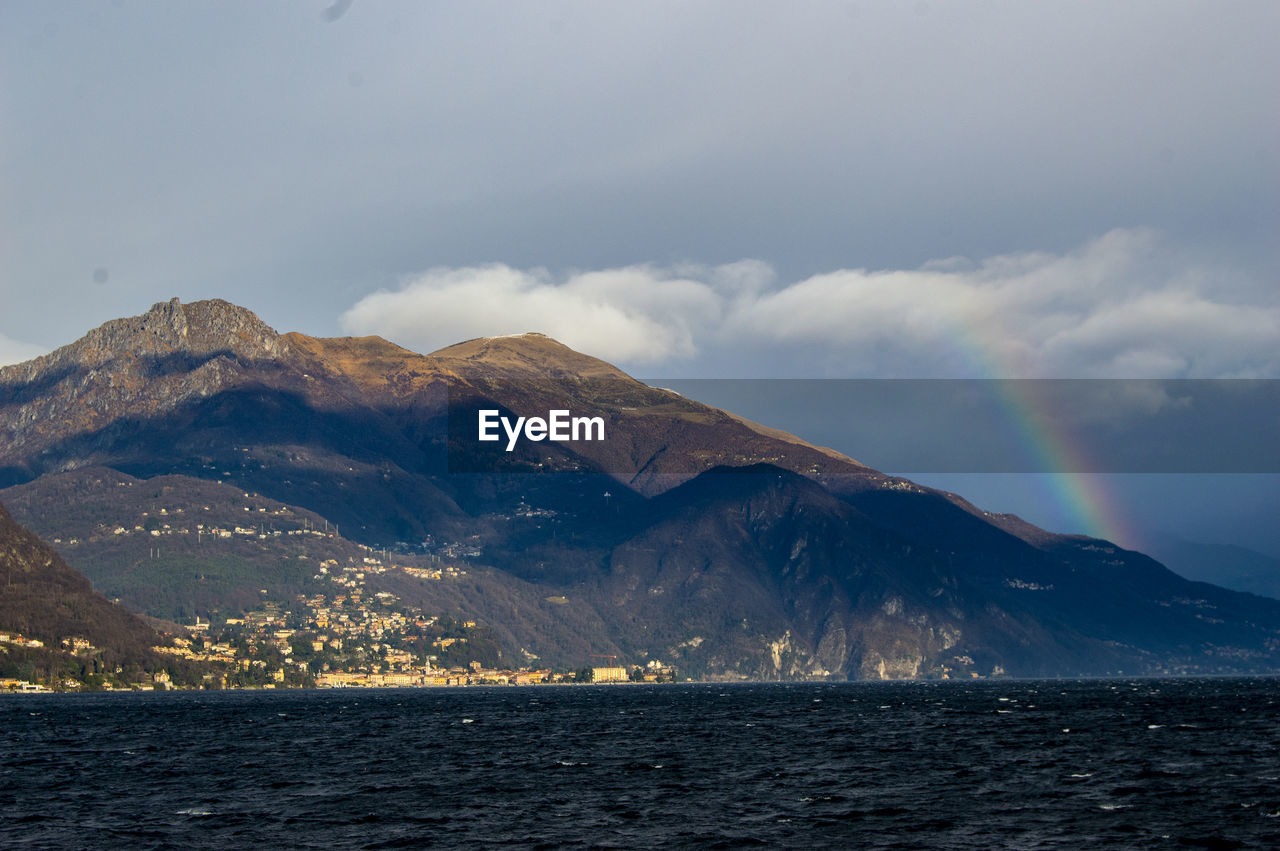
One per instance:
(261,651)
(349,636)
(348,628)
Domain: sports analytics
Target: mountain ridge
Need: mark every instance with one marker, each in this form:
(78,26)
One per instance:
(735,549)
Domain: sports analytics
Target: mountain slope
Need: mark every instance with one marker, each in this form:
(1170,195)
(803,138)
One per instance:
(42,598)
(1238,568)
(762,572)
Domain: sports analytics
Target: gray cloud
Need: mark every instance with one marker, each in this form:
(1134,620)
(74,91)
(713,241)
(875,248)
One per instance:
(227,150)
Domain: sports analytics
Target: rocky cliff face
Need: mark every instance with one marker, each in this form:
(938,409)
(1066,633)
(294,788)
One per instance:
(135,368)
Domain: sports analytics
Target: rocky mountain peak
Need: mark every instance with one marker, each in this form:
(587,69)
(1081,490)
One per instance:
(137,367)
(200,329)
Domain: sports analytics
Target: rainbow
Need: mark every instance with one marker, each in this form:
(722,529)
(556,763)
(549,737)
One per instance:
(1082,496)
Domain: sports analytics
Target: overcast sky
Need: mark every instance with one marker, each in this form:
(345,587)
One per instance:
(699,189)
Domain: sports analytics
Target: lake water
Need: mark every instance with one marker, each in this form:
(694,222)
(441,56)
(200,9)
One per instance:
(1019,764)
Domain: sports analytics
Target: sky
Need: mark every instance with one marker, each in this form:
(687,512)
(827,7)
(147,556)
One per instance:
(689,190)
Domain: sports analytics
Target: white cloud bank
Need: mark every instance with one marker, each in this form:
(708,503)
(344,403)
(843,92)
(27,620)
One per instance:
(1124,305)
(637,314)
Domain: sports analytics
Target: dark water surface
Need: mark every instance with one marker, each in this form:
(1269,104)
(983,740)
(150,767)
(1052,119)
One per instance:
(1026,764)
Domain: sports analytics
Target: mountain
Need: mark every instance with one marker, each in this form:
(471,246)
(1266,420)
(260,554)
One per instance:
(1238,568)
(78,634)
(687,534)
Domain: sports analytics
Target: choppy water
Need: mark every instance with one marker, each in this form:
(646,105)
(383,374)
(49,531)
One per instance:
(1145,763)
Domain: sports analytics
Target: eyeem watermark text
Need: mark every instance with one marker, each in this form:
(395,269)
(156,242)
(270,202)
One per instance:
(559,426)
